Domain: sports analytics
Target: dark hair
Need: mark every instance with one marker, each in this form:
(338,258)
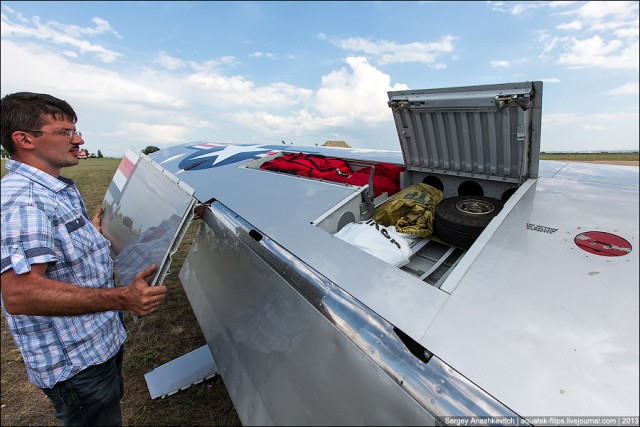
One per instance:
(26,110)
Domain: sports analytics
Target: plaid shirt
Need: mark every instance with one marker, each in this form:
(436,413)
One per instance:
(44,220)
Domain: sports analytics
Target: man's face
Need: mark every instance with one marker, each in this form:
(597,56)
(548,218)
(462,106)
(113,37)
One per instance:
(53,147)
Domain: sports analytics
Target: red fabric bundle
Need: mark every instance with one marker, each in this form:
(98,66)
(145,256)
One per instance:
(313,166)
(386,177)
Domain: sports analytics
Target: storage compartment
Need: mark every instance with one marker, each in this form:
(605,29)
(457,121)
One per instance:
(432,259)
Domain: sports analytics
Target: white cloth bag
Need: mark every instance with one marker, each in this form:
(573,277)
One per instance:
(378,240)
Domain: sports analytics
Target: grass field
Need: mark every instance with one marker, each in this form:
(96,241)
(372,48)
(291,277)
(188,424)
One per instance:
(594,157)
(171,332)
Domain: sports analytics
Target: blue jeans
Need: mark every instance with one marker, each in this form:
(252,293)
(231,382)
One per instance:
(91,397)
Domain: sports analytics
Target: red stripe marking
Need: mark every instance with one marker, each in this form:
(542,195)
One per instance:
(125,167)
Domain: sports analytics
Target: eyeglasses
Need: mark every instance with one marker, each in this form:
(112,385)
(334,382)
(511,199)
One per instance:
(69,133)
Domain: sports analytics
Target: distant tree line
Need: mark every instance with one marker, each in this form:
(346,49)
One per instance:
(150,149)
(92,155)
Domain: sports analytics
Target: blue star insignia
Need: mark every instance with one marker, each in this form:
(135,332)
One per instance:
(212,155)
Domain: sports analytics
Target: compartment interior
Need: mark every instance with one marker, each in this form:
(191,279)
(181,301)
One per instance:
(432,259)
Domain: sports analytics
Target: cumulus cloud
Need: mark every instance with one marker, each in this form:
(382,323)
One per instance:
(594,34)
(357,95)
(597,52)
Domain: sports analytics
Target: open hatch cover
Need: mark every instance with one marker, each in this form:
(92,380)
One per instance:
(146,213)
(488,131)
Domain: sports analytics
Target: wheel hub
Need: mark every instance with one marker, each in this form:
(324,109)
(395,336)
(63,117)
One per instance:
(474,207)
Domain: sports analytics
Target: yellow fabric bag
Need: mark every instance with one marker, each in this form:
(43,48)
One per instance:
(410,210)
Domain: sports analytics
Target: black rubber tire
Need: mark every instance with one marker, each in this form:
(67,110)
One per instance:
(454,238)
(467,214)
(459,221)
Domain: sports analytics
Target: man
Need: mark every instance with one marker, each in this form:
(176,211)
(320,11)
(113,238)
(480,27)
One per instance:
(59,295)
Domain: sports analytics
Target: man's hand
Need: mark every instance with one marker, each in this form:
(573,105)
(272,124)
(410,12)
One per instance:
(97,217)
(142,299)
(35,295)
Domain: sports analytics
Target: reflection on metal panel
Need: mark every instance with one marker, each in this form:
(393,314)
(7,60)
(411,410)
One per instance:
(146,222)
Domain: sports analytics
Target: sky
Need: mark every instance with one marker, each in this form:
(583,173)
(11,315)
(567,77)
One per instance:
(148,73)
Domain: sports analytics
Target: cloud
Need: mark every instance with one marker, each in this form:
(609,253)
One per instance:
(60,35)
(387,52)
(172,98)
(264,54)
(596,52)
(594,34)
(102,27)
(601,121)
(221,91)
(500,64)
(23,63)
(345,98)
(595,128)
(606,15)
(626,89)
(169,62)
(359,95)
(157,133)
(572,131)
(573,25)
(515,8)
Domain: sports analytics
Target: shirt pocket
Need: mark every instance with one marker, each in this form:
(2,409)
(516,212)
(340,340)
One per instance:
(75,237)
(83,252)
(80,235)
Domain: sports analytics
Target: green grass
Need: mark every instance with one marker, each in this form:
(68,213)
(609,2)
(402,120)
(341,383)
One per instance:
(154,340)
(591,156)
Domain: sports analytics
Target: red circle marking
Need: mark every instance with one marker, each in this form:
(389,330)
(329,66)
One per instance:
(603,244)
